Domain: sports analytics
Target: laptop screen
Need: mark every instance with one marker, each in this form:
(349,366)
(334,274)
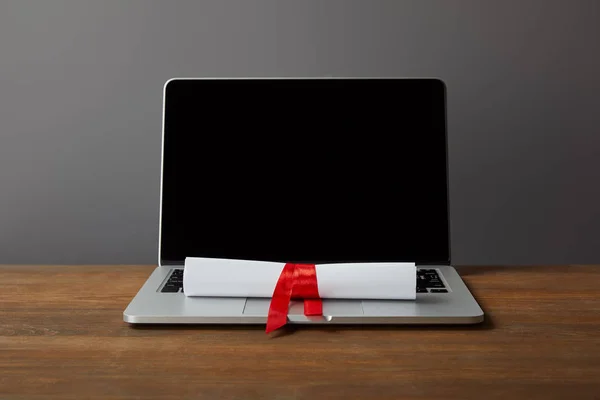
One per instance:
(305,170)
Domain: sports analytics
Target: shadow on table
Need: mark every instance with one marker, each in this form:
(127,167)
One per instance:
(470,270)
(487,324)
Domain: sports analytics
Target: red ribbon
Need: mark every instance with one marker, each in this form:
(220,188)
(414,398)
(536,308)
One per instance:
(297,281)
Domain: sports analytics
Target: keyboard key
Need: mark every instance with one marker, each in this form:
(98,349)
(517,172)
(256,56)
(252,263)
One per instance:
(421,290)
(439,290)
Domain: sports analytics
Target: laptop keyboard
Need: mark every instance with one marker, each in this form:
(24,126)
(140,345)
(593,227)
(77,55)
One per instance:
(428,281)
(175,282)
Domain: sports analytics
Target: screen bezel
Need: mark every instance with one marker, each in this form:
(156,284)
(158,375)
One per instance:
(438,81)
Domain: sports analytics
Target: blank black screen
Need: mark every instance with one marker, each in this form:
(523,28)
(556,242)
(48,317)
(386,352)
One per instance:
(305,170)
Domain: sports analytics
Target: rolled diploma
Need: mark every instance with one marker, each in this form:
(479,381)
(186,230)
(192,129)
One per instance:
(215,277)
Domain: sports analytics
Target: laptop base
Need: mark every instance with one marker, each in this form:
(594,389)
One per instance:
(152,306)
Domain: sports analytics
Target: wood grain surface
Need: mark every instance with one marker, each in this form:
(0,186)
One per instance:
(62,336)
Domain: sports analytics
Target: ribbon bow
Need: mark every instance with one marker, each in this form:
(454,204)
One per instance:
(297,281)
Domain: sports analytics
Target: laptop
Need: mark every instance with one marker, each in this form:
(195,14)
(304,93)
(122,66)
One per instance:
(305,170)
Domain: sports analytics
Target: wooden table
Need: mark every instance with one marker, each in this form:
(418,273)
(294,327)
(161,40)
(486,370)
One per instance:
(62,336)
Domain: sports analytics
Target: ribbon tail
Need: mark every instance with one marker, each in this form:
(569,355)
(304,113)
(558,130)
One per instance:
(280,301)
(307,287)
(313,307)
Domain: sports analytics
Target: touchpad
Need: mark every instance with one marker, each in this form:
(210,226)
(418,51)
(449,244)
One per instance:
(339,308)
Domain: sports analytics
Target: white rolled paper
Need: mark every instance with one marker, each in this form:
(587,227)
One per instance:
(216,277)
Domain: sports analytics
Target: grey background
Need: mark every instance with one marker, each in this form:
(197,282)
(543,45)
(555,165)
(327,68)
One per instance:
(80,111)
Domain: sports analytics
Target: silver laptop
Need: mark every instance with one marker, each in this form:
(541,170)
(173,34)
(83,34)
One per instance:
(305,170)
